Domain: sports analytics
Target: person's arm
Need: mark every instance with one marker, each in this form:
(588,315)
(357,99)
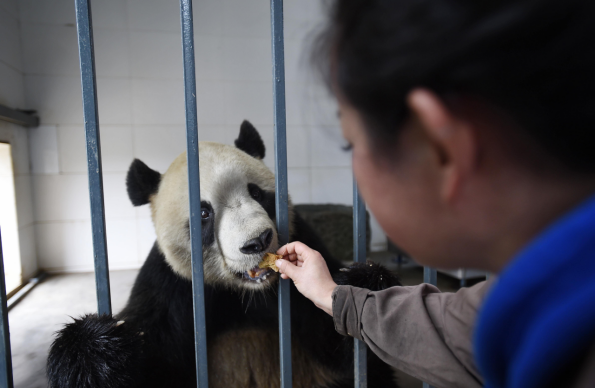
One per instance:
(416,329)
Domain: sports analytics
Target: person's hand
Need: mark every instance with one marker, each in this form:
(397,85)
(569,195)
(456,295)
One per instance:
(309,272)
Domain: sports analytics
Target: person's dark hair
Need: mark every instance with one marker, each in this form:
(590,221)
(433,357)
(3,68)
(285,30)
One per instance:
(534,59)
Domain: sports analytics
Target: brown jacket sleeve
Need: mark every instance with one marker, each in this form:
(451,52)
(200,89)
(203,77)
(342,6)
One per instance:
(416,329)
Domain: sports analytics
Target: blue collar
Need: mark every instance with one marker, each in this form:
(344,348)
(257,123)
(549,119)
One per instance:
(540,314)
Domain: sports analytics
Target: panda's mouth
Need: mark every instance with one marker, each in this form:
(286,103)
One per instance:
(256,274)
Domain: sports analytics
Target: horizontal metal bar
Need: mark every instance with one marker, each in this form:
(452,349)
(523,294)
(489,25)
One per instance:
(200,327)
(5,353)
(360,361)
(22,118)
(32,283)
(91,117)
(281,196)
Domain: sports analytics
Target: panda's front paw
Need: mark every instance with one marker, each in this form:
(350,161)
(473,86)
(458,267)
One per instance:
(367,275)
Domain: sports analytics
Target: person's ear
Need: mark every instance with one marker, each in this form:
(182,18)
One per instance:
(451,137)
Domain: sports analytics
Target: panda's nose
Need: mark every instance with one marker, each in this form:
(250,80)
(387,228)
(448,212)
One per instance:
(258,245)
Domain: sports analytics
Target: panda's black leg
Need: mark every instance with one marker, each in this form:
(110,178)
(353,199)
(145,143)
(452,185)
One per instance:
(367,275)
(95,351)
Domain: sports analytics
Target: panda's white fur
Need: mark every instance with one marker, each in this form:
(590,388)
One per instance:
(225,173)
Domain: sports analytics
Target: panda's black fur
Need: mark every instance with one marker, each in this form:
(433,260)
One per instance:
(150,343)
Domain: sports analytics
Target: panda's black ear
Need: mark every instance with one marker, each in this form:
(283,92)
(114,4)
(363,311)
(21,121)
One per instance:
(250,141)
(141,182)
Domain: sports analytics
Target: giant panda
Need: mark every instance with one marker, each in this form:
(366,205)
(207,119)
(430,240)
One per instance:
(150,343)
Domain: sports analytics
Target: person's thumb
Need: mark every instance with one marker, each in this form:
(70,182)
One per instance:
(287,268)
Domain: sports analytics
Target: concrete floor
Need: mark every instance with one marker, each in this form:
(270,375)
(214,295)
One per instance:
(46,309)
(50,305)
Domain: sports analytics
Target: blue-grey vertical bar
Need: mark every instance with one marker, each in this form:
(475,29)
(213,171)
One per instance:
(91,117)
(430,277)
(281,199)
(360,359)
(198,291)
(5,353)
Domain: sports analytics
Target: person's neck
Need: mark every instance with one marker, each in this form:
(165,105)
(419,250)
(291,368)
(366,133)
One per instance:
(531,206)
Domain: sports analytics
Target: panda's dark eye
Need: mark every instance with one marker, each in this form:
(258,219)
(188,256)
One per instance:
(204,214)
(255,192)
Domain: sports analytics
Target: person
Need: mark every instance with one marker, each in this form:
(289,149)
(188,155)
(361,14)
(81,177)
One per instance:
(472,132)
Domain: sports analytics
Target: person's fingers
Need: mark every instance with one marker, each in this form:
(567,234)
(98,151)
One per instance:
(284,276)
(283,250)
(294,248)
(287,268)
(297,250)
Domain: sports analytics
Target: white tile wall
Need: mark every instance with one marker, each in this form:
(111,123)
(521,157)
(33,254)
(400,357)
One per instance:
(121,250)
(47,12)
(28,251)
(247,19)
(12,94)
(141,109)
(12,91)
(23,189)
(154,15)
(50,49)
(114,100)
(116,147)
(298,181)
(146,235)
(57,99)
(332,185)
(109,14)
(326,148)
(158,146)
(64,246)
(11,7)
(10,51)
(71,143)
(246,59)
(156,54)
(61,197)
(249,100)
(43,148)
(158,101)
(117,203)
(112,48)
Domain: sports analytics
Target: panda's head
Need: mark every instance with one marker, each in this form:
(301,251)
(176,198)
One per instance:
(237,195)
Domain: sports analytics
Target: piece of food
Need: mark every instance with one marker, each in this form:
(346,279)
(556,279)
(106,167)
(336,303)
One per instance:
(268,261)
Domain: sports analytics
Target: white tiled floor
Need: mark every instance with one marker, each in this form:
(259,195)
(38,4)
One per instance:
(46,309)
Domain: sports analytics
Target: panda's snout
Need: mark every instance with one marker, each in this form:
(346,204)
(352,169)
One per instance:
(259,244)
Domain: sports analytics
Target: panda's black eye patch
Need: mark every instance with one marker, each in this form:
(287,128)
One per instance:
(206,211)
(265,198)
(207,224)
(255,192)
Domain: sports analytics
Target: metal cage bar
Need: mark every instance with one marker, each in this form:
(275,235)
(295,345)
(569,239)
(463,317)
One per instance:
(91,117)
(5,353)
(281,196)
(430,276)
(360,359)
(198,291)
